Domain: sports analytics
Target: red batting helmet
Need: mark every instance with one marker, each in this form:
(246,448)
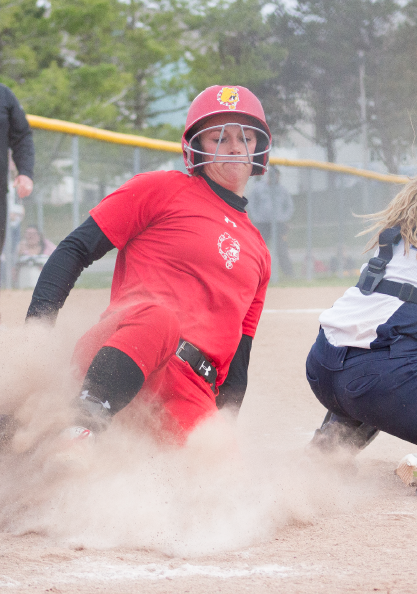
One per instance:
(226,99)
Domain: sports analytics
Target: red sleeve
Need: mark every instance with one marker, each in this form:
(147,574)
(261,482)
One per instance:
(131,208)
(250,323)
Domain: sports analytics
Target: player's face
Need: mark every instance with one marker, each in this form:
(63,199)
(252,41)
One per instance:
(229,144)
(32,236)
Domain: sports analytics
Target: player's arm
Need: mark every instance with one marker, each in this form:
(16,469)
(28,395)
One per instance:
(77,251)
(20,137)
(232,391)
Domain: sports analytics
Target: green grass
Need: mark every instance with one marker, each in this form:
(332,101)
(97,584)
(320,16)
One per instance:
(327,281)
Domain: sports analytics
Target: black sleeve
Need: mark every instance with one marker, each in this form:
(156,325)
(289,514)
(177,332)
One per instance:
(77,251)
(232,391)
(20,137)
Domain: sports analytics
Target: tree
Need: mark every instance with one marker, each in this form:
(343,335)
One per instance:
(323,38)
(94,62)
(27,44)
(391,83)
(41,59)
(151,39)
(105,62)
(234,43)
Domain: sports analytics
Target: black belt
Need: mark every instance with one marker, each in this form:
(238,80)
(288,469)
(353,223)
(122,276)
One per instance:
(404,291)
(198,362)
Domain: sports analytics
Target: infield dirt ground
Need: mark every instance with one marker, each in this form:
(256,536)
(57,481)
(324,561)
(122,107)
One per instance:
(239,509)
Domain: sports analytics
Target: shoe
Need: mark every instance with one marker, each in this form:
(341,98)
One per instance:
(335,433)
(77,434)
(73,449)
(92,413)
(407,470)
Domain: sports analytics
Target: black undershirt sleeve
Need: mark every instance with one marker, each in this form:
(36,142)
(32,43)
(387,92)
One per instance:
(20,136)
(232,391)
(77,251)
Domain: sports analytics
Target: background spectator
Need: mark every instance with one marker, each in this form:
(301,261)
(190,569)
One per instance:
(15,133)
(32,254)
(270,202)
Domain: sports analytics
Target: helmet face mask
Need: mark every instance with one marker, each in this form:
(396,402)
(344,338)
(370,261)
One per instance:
(230,100)
(196,157)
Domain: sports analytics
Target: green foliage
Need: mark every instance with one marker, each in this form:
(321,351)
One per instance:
(324,38)
(236,45)
(106,63)
(47,93)
(164,132)
(27,43)
(391,82)
(90,61)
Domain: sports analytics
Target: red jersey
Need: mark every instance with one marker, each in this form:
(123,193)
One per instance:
(183,246)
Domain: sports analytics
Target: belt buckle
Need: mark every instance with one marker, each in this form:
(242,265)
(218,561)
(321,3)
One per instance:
(179,349)
(376,265)
(406,291)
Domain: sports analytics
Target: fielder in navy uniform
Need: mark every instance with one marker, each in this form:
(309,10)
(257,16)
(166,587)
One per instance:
(363,365)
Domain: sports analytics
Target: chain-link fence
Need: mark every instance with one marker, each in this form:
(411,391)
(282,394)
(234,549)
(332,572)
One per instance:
(320,238)
(315,238)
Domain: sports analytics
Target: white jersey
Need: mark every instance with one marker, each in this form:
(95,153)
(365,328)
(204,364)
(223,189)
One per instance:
(361,320)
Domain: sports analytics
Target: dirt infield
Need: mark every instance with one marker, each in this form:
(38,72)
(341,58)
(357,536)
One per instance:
(239,509)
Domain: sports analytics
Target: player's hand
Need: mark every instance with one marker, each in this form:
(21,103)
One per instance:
(24,185)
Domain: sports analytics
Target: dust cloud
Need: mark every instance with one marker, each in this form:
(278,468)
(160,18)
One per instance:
(220,491)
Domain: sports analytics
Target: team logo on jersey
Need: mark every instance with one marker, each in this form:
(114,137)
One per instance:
(227,220)
(229,249)
(228,96)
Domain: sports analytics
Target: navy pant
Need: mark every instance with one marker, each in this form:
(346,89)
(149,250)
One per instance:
(376,387)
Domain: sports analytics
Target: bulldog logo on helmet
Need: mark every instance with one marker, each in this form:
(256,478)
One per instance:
(229,249)
(228,96)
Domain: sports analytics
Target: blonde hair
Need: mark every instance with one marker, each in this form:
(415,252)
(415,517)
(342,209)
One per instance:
(400,212)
